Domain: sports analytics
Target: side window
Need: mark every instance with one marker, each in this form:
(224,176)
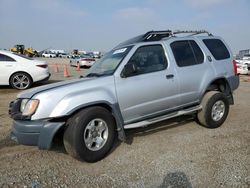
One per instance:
(217,48)
(149,59)
(187,53)
(197,52)
(5,58)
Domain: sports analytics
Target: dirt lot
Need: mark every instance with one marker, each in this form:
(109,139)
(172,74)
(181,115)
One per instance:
(174,153)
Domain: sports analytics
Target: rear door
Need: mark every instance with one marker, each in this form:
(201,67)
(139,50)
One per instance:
(7,65)
(192,67)
(152,90)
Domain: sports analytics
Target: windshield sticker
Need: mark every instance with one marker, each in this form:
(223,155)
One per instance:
(120,51)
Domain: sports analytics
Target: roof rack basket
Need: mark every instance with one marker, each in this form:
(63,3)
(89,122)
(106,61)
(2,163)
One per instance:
(156,35)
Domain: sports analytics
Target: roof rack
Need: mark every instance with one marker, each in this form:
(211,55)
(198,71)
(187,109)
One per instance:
(192,32)
(156,35)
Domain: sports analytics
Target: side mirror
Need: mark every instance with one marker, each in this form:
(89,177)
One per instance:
(129,69)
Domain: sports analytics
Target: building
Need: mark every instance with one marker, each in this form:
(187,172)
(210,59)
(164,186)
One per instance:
(242,53)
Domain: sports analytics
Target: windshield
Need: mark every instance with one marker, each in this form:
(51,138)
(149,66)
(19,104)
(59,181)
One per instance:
(109,62)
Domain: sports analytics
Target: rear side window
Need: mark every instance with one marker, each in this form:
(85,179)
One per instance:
(187,53)
(5,58)
(217,48)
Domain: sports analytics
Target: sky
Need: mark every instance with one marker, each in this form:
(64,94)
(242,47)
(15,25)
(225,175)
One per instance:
(100,25)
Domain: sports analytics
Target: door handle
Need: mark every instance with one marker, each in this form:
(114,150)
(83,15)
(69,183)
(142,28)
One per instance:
(169,76)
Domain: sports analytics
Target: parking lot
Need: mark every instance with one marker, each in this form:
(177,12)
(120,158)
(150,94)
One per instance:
(173,153)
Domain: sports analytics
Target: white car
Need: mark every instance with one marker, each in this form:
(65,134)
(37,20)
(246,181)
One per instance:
(83,60)
(48,54)
(246,57)
(20,71)
(241,68)
(64,55)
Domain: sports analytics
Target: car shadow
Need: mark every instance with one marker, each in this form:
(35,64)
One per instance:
(10,89)
(7,142)
(58,145)
(157,127)
(45,83)
(176,180)
(6,91)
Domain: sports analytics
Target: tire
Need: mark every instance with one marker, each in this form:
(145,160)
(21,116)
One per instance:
(21,81)
(215,108)
(79,135)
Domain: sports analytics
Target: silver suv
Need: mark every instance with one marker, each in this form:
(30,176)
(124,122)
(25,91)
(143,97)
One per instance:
(147,79)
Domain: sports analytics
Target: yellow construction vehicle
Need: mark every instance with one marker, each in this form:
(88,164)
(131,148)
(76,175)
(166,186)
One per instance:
(75,52)
(20,49)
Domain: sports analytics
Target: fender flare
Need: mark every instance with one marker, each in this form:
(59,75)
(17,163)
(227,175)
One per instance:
(228,90)
(113,108)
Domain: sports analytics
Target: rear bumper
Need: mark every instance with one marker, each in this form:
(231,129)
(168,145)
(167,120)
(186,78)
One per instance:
(45,79)
(243,71)
(39,133)
(43,76)
(86,63)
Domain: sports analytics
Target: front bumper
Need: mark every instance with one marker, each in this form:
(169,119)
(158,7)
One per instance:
(40,133)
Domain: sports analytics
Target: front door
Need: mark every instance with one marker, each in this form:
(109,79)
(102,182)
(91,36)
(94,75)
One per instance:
(152,89)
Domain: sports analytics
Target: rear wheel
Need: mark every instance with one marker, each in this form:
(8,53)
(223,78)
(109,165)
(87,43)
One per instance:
(215,108)
(20,81)
(90,134)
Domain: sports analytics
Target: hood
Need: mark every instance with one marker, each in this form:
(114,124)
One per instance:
(30,92)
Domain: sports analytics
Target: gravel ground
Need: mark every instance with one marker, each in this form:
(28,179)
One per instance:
(173,153)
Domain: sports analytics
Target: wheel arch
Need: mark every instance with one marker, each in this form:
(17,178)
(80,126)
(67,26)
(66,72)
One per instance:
(114,109)
(220,84)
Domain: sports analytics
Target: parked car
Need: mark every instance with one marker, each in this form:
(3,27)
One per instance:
(20,71)
(83,60)
(64,55)
(246,57)
(48,54)
(147,79)
(246,60)
(242,68)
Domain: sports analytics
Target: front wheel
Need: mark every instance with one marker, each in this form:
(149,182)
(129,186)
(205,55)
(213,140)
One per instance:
(215,108)
(90,134)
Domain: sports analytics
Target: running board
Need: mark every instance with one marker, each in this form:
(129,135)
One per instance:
(164,117)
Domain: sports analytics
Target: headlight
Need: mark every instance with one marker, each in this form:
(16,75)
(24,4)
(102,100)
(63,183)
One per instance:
(29,107)
(23,104)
